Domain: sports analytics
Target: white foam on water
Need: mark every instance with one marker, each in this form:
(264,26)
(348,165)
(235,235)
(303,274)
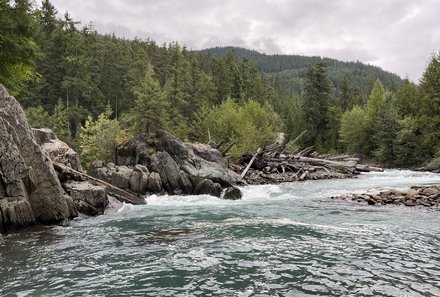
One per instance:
(126,208)
(372,182)
(177,200)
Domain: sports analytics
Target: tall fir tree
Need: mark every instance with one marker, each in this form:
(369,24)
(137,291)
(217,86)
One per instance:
(150,110)
(317,94)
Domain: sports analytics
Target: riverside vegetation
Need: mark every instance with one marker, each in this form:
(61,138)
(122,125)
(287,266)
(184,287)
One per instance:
(97,91)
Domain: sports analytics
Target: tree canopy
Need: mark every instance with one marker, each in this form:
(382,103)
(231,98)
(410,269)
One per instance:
(76,81)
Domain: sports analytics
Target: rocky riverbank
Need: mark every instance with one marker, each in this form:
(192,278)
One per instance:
(168,165)
(42,180)
(30,191)
(425,196)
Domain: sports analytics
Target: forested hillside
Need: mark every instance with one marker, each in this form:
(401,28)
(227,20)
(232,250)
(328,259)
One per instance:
(287,72)
(98,91)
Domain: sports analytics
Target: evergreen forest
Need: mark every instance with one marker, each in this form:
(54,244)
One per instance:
(97,91)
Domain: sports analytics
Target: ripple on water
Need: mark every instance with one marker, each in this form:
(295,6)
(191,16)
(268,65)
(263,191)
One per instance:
(286,240)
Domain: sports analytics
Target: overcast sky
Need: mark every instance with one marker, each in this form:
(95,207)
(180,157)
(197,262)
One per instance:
(397,35)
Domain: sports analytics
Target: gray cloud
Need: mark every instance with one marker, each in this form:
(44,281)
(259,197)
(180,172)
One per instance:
(397,35)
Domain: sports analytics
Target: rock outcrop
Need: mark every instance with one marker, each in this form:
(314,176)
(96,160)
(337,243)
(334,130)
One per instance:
(88,199)
(168,165)
(57,150)
(30,191)
(426,196)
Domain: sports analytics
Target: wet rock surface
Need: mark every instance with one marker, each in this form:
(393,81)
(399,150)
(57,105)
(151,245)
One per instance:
(232,193)
(424,196)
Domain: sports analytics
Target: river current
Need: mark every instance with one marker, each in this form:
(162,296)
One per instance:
(279,240)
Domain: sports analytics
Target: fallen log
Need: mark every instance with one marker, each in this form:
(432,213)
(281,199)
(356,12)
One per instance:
(298,137)
(250,163)
(304,175)
(307,151)
(228,148)
(368,168)
(118,193)
(351,166)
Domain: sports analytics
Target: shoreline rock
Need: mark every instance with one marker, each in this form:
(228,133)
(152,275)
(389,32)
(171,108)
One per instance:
(168,165)
(426,196)
(87,199)
(30,191)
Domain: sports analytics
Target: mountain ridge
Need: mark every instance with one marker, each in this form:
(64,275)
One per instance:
(290,69)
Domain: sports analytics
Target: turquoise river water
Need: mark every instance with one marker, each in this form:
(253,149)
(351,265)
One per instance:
(279,240)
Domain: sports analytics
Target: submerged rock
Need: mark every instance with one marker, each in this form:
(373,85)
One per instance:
(29,187)
(232,193)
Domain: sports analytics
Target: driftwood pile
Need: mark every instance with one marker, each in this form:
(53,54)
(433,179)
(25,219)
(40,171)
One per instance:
(275,164)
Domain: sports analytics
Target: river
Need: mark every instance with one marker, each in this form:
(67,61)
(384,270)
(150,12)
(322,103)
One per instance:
(279,240)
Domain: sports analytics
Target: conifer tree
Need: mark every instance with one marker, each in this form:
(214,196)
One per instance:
(150,109)
(317,94)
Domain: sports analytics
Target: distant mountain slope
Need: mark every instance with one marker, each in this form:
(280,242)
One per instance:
(287,71)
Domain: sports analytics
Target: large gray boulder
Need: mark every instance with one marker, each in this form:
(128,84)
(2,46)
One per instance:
(168,170)
(29,188)
(154,183)
(207,153)
(232,193)
(196,167)
(208,187)
(120,177)
(88,199)
(57,150)
(101,171)
(136,178)
(183,168)
(139,179)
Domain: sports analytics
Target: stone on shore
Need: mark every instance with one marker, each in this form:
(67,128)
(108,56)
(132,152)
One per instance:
(426,196)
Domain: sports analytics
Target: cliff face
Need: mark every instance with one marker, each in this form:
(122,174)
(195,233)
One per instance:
(30,191)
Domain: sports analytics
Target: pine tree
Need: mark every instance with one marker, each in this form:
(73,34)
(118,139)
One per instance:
(430,104)
(317,94)
(59,122)
(407,99)
(150,110)
(386,127)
